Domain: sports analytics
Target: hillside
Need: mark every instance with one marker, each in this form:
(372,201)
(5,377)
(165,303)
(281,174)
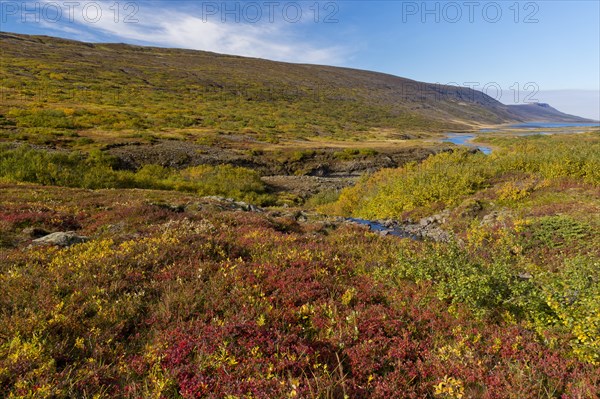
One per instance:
(52,83)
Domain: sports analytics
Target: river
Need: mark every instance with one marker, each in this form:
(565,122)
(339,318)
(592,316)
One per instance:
(465,139)
(522,129)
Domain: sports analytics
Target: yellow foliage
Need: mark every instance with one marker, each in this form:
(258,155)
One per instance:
(514,191)
(450,387)
(446,178)
(585,329)
(33,360)
(348,296)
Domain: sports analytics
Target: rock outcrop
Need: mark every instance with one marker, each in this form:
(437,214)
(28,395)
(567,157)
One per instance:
(60,239)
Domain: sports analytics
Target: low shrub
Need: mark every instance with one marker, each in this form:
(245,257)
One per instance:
(323,198)
(443,180)
(95,171)
(352,153)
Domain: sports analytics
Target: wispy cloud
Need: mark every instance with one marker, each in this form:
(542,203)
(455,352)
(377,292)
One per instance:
(161,25)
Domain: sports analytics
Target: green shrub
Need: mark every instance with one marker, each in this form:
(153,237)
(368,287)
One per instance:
(445,178)
(347,154)
(567,300)
(47,118)
(223,180)
(486,287)
(556,231)
(95,171)
(323,198)
(573,294)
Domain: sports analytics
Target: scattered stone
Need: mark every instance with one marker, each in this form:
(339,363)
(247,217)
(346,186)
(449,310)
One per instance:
(525,276)
(439,218)
(301,216)
(115,228)
(470,208)
(494,217)
(248,207)
(307,186)
(61,239)
(437,235)
(425,222)
(427,232)
(389,223)
(319,171)
(231,204)
(490,218)
(169,207)
(426,229)
(285,173)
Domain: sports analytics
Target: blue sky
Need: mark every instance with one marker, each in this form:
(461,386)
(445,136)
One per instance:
(518,51)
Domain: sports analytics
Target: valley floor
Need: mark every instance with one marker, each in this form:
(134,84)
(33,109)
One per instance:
(162,291)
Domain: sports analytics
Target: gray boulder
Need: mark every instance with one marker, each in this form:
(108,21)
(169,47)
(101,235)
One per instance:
(61,239)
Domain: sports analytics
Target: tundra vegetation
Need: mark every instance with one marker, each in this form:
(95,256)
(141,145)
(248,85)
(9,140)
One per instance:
(179,293)
(176,295)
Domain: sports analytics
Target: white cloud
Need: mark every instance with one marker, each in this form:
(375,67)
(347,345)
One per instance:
(278,40)
(70,30)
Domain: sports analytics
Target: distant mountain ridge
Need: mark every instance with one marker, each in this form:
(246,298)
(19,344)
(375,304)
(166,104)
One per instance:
(541,112)
(165,87)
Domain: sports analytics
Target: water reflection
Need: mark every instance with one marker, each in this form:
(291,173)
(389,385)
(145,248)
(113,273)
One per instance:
(465,139)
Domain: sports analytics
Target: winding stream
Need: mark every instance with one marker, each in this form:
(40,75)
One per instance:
(380,228)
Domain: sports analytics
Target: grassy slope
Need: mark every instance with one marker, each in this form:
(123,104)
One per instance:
(52,85)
